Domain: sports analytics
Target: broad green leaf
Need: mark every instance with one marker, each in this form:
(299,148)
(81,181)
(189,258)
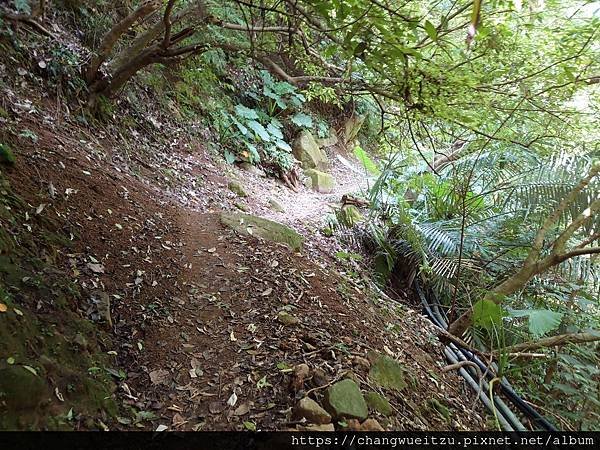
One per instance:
(302,120)
(245,112)
(283,145)
(541,321)
(487,314)
(259,130)
(229,157)
(250,426)
(275,131)
(430,30)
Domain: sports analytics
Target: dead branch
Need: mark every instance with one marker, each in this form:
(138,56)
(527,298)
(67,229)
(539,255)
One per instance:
(553,341)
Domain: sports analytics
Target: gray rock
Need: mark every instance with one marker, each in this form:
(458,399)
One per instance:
(344,399)
(307,151)
(320,181)
(311,411)
(263,228)
(275,205)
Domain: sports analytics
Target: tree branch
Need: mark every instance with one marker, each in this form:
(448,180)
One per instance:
(553,341)
(111,38)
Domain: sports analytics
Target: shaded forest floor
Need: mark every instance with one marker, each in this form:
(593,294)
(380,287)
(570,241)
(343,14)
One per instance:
(190,330)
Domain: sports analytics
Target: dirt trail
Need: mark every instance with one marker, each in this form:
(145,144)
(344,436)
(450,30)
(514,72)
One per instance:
(195,307)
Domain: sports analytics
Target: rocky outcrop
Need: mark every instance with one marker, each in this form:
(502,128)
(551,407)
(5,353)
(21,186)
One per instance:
(352,128)
(320,181)
(307,151)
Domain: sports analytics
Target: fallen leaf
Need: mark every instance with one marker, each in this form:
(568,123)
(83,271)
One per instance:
(250,426)
(58,395)
(96,268)
(30,369)
(159,376)
(232,400)
(212,250)
(241,410)
(216,407)
(161,428)
(3,308)
(267,292)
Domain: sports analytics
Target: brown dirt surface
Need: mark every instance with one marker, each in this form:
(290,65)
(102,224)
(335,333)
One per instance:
(196,341)
(195,307)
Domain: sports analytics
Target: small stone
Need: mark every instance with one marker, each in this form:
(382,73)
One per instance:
(287,319)
(276,206)
(352,424)
(300,374)
(311,411)
(102,301)
(320,181)
(80,340)
(344,399)
(378,403)
(319,377)
(362,362)
(250,168)
(371,425)
(388,373)
(237,188)
(325,427)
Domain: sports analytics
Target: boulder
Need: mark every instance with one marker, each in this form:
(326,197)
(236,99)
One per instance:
(388,373)
(320,181)
(263,228)
(311,411)
(307,151)
(344,399)
(379,403)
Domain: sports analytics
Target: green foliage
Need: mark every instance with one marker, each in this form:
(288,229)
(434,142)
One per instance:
(487,314)
(541,321)
(366,161)
(302,120)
